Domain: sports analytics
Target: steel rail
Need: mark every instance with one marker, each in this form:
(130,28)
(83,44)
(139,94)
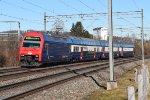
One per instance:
(76,72)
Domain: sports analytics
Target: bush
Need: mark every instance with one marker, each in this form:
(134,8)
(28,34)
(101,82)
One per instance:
(9,53)
(2,60)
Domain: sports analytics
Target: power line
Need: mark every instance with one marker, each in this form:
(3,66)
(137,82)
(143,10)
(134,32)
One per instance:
(23,19)
(27,9)
(91,19)
(93,15)
(69,5)
(136,12)
(28,2)
(106,5)
(131,28)
(128,21)
(125,12)
(135,4)
(91,24)
(87,5)
(78,15)
(102,4)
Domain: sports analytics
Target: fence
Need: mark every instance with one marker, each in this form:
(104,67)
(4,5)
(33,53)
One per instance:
(142,77)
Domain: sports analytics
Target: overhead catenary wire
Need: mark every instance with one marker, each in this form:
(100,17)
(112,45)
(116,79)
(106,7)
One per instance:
(15,5)
(81,15)
(91,24)
(137,7)
(102,3)
(67,5)
(105,6)
(93,15)
(33,4)
(129,22)
(87,6)
(134,25)
(22,19)
(125,12)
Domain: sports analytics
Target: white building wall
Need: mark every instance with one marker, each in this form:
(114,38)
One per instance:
(101,33)
(104,33)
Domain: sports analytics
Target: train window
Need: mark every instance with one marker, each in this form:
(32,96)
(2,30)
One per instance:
(103,48)
(31,42)
(31,45)
(97,49)
(76,49)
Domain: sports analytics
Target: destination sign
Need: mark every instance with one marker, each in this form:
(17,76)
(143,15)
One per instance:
(29,38)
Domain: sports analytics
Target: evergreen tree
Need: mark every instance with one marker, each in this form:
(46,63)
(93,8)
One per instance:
(86,34)
(78,30)
(73,30)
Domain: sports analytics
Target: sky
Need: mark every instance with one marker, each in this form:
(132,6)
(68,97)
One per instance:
(30,13)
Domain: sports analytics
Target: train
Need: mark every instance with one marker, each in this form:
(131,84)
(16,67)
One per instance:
(38,48)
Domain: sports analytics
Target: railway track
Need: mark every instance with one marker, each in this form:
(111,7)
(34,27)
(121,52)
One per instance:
(19,69)
(26,72)
(15,73)
(51,80)
(6,70)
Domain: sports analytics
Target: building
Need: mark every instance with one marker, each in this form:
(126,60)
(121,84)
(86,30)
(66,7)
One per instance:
(101,33)
(104,33)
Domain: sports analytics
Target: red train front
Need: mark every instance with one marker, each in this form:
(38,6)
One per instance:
(30,53)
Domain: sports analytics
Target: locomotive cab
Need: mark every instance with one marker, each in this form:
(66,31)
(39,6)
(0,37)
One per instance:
(30,50)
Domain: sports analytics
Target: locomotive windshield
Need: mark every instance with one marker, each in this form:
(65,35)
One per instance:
(32,42)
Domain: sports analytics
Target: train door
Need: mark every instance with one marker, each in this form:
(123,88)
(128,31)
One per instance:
(122,52)
(103,52)
(118,53)
(94,53)
(81,54)
(45,53)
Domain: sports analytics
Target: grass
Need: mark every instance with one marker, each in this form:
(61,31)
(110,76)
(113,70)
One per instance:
(121,92)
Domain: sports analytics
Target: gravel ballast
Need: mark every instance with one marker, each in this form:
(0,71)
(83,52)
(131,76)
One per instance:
(72,90)
(79,88)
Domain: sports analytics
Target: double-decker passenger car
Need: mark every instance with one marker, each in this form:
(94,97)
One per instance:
(37,48)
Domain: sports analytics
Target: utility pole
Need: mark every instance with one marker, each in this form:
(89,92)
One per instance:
(110,32)
(45,22)
(142,35)
(112,83)
(18,30)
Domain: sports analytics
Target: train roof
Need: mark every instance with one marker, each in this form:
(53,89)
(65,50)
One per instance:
(127,45)
(82,41)
(74,40)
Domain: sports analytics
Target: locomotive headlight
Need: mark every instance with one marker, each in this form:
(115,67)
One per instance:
(36,56)
(22,57)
